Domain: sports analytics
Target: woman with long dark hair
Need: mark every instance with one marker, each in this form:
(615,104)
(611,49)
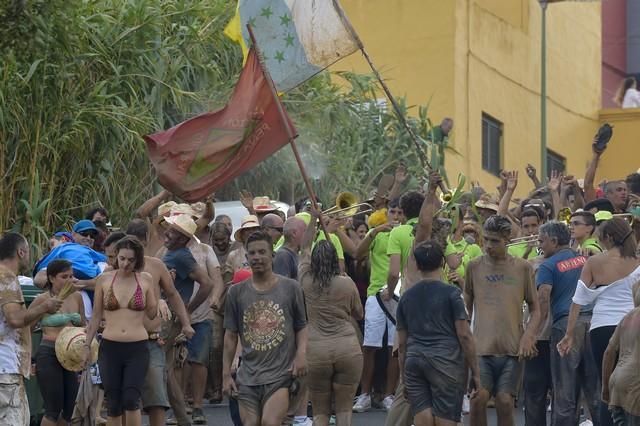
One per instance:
(627,95)
(58,386)
(606,282)
(124,296)
(334,356)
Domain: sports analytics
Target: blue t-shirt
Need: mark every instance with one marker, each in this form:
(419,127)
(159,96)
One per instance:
(183,262)
(561,271)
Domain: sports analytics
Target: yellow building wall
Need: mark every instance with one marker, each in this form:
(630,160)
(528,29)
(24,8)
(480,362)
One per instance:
(621,157)
(411,43)
(473,56)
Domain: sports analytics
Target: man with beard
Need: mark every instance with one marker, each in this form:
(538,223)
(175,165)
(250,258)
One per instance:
(15,332)
(267,313)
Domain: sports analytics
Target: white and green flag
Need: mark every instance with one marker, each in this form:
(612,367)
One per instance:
(297,38)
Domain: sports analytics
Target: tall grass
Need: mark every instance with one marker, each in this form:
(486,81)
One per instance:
(82,80)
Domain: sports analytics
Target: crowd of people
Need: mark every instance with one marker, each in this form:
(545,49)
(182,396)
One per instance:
(426,303)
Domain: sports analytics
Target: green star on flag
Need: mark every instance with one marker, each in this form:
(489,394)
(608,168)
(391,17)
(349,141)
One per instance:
(308,36)
(285,20)
(266,12)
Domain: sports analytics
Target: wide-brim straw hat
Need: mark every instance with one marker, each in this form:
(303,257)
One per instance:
(183,223)
(70,345)
(487,201)
(248,222)
(263,205)
(166,208)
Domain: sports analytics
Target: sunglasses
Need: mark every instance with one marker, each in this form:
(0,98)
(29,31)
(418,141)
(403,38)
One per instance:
(90,234)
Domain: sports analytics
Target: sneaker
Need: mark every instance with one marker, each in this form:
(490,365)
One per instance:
(306,421)
(363,403)
(198,417)
(171,421)
(386,402)
(587,423)
(332,420)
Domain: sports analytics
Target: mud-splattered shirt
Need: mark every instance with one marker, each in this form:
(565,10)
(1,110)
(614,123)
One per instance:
(15,343)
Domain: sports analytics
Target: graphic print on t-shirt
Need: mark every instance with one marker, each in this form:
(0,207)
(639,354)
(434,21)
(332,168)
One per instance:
(264,325)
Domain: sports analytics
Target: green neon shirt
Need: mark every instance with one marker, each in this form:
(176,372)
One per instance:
(379,261)
(401,240)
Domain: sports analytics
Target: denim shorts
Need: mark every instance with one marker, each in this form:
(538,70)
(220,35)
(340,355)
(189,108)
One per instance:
(500,374)
(199,345)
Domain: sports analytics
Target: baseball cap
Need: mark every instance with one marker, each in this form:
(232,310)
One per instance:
(84,225)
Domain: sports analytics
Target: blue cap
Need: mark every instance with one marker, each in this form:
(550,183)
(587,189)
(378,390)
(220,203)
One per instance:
(84,225)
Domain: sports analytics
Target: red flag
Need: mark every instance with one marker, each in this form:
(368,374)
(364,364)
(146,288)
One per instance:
(200,155)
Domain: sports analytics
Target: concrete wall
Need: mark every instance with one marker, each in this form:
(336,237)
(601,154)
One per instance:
(621,157)
(501,61)
(411,43)
(470,56)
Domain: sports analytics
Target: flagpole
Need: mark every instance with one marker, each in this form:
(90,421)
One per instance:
(290,133)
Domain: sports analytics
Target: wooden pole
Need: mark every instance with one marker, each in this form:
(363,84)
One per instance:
(290,133)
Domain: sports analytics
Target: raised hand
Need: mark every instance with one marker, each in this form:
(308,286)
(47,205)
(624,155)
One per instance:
(531,171)
(401,174)
(512,180)
(554,180)
(246,198)
(435,180)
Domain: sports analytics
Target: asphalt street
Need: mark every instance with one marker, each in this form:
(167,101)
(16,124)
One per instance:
(218,415)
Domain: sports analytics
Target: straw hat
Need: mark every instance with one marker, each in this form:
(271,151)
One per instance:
(248,222)
(263,205)
(183,209)
(198,209)
(182,223)
(70,348)
(166,207)
(487,201)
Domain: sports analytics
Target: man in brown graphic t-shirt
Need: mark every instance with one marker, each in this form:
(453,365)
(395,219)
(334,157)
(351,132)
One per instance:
(267,313)
(496,286)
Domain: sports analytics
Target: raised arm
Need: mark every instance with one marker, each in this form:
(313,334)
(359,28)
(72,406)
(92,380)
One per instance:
(512,184)
(554,186)
(400,178)
(208,215)
(531,173)
(147,208)
(590,175)
(427,210)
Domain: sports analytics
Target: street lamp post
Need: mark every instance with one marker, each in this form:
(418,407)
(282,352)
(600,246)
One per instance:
(543,91)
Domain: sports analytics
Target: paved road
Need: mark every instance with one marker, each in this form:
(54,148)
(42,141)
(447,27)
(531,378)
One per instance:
(218,415)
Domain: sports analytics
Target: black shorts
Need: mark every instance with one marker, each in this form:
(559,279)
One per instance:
(435,383)
(500,374)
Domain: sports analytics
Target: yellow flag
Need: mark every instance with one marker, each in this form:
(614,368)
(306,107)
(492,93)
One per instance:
(233,30)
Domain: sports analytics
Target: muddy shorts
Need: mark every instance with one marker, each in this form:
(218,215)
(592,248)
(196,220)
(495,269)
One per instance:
(500,374)
(14,407)
(437,384)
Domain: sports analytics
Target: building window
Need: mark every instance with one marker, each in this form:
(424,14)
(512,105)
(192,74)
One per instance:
(555,162)
(491,144)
